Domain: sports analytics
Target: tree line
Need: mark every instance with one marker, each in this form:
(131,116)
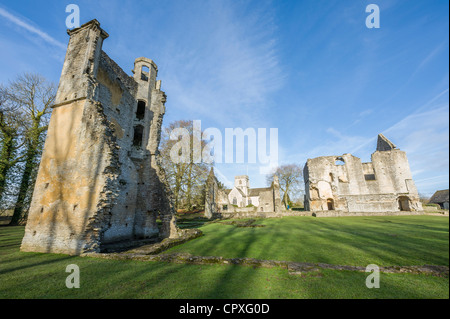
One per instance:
(25,108)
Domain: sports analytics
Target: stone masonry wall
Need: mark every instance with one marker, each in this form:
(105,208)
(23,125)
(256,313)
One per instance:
(344,183)
(94,185)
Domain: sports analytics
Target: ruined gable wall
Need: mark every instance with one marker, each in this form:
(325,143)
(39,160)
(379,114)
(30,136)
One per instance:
(87,186)
(392,169)
(266,201)
(73,174)
(346,185)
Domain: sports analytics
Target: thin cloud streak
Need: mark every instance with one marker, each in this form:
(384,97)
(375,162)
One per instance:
(21,23)
(236,71)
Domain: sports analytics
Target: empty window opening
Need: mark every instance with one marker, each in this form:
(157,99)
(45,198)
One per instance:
(144,73)
(339,161)
(225,207)
(140,112)
(138,134)
(330,204)
(404,204)
(369,177)
(331,177)
(235,201)
(262,209)
(249,201)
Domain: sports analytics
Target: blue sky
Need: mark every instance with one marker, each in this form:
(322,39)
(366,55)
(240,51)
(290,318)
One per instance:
(311,68)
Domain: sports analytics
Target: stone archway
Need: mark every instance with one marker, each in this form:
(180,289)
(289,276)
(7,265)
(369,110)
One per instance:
(404,204)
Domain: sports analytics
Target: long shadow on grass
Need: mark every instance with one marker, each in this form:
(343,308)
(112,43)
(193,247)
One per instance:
(46,262)
(378,242)
(337,243)
(221,284)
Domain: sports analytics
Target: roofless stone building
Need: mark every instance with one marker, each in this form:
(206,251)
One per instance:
(343,184)
(99,179)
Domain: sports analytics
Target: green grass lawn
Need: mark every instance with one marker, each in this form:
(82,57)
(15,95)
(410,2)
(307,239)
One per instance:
(404,240)
(357,241)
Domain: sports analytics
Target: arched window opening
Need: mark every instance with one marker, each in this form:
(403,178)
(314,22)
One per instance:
(144,73)
(339,161)
(234,201)
(140,112)
(330,204)
(137,136)
(404,204)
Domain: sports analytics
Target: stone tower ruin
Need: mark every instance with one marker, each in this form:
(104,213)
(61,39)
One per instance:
(99,179)
(345,184)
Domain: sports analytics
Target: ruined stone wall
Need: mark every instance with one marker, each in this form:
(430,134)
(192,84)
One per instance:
(344,183)
(94,186)
(266,201)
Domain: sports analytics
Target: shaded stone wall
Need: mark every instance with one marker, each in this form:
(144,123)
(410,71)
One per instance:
(96,184)
(344,183)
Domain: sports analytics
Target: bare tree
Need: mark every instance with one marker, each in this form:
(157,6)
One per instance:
(11,136)
(186,179)
(291,180)
(35,96)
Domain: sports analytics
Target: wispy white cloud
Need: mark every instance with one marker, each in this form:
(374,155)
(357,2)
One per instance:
(26,25)
(234,70)
(424,137)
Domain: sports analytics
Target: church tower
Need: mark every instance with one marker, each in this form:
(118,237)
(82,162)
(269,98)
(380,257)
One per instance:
(242,182)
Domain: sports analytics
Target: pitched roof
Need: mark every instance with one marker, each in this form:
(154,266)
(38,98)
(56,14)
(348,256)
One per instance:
(439,197)
(251,191)
(228,191)
(256,191)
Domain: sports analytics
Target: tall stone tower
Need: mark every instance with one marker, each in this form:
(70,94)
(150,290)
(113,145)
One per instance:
(99,179)
(242,182)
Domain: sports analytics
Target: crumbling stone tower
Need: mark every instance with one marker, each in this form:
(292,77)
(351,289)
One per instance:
(99,179)
(345,184)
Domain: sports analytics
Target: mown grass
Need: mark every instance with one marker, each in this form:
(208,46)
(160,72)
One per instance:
(358,241)
(35,275)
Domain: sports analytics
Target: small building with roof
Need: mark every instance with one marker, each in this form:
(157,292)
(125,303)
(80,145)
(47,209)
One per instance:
(440,198)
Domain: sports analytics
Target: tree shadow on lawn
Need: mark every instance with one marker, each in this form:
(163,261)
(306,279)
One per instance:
(35,264)
(320,241)
(216,243)
(403,245)
(224,280)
